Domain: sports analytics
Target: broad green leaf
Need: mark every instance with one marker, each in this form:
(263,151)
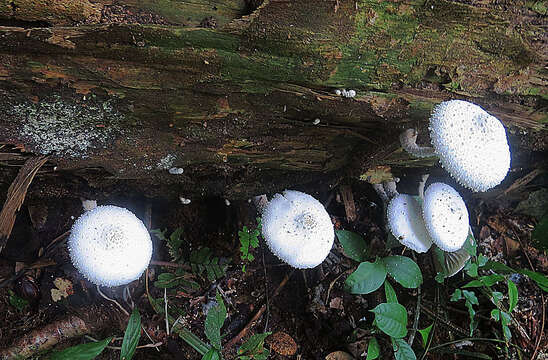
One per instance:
(496,297)
(425,333)
(482,260)
(470,296)
(391,319)
(541,280)
(390,293)
(353,245)
(82,352)
(404,270)
(215,319)
(367,278)
(212,354)
(471,269)
(539,236)
(495,314)
(498,267)
(470,245)
(488,280)
(402,350)
(512,295)
(131,336)
(373,349)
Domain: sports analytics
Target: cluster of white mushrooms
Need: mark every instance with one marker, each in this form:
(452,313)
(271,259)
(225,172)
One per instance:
(110,246)
(472,147)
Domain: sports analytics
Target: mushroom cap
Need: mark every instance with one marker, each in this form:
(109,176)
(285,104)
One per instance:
(297,229)
(445,216)
(471,144)
(405,222)
(110,246)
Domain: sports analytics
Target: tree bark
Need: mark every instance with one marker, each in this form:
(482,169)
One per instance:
(122,91)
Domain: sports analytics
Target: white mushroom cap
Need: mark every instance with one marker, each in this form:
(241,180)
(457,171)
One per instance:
(110,246)
(471,144)
(298,229)
(445,216)
(406,224)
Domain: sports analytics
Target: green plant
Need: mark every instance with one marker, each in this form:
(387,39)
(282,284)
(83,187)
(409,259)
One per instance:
(391,316)
(249,239)
(16,301)
(91,350)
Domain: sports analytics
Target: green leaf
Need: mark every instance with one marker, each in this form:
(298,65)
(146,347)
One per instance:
(470,245)
(482,260)
(425,333)
(215,319)
(404,270)
(541,280)
(391,319)
(390,293)
(440,276)
(470,296)
(166,280)
(354,246)
(373,349)
(495,314)
(253,348)
(488,280)
(512,295)
(402,350)
(131,336)
(496,297)
(539,236)
(212,354)
(17,302)
(82,352)
(367,278)
(498,267)
(471,269)
(457,295)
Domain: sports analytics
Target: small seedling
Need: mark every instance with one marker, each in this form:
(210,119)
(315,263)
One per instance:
(249,239)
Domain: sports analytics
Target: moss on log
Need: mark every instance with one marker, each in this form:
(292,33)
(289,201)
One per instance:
(231,93)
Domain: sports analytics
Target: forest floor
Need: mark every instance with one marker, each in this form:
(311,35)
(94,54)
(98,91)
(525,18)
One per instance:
(311,316)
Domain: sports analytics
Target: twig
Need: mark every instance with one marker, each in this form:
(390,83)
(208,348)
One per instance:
(468,339)
(265,292)
(170,264)
(112,300)
(443,321)
(333,283)
(165,310)
(256,317)
(417,315)
(120,348)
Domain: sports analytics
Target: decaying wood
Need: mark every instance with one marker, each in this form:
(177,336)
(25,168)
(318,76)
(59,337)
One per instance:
(231,93)
(16,195)
(88,320)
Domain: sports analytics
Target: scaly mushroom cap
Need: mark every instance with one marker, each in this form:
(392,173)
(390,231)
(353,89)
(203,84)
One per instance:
(297,229)
(471,144)
(405,222)
(110,246)
(445,216)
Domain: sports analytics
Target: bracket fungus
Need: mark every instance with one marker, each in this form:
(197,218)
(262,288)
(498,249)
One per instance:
(471,144)
(445,217)
(110,246)
(297,229)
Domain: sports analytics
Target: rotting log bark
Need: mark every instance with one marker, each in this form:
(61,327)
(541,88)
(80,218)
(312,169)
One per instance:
(231,95)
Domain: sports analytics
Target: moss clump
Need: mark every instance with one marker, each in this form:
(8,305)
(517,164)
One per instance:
(66,128)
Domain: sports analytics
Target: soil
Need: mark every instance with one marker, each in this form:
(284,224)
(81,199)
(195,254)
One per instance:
(312,316)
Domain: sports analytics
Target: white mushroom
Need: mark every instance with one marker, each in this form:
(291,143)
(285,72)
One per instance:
(110,246)
(298,229)
(470,143)
(445,216)
(406,224)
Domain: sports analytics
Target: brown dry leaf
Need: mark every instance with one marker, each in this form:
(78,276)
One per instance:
(282,344)
(64,289)
(512,246)
(336,303)
(339,355)
(16,195)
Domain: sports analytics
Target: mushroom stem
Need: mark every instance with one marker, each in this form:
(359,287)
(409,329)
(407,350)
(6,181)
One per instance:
(390,187)
(260,202)
(422,183)
(408,141)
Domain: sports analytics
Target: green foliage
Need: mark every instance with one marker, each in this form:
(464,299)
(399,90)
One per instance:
(212,354)
(249,239)
(402,350)
(202,260)
(404,270)
(131,336)
(425,334)
(214,322)
(82,352)
(174,242)
(539,236)
(253,348)
(390,293)
(512,295)
(169,280)
(367,278)
(391,318)
(354,246)
(488,280)
(16,301)
(540,279)
(470,299)
(373,349)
